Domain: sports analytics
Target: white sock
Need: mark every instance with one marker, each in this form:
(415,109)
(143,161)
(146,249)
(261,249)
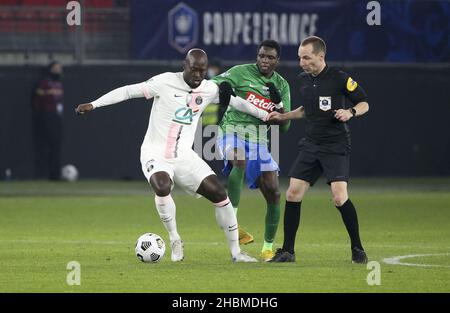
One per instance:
(226,219)
(167,210)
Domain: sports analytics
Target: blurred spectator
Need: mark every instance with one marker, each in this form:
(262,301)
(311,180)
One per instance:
(47,113)
(214,68)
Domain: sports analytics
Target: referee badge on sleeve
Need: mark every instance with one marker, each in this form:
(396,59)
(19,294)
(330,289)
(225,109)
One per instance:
(351,84)
(325,103)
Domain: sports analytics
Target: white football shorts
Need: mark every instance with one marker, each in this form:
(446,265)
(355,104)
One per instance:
(187,171)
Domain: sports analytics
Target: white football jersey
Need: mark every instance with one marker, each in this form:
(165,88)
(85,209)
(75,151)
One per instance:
(175,113)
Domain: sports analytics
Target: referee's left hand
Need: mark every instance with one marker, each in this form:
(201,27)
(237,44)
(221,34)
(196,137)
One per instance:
(343,115)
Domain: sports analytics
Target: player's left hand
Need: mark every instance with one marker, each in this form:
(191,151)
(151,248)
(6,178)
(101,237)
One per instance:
(343,115)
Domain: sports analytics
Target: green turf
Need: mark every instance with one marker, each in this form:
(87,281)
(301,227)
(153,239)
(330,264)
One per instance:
(43,226)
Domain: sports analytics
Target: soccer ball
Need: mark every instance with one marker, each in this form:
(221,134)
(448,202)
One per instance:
(150,248)
(69,173)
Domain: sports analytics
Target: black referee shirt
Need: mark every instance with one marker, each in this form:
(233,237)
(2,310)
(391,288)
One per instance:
(321,96)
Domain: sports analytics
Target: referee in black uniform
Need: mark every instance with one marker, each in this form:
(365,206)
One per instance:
(326,147)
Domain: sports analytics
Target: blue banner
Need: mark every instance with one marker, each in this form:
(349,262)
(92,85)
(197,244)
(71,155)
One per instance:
(354,30)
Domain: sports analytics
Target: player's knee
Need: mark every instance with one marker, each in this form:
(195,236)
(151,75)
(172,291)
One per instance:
(220,195)
(273,191)
(162,192)
(161,187)
(212,189)
(339,198)
(276,194)
(294,195)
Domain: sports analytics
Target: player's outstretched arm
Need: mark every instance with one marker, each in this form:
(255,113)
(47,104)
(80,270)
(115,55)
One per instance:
(117,95)
(244,106)
(277,117)
(226,96)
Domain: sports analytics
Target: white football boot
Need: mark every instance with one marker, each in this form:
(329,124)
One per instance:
(243,257)
(177,250)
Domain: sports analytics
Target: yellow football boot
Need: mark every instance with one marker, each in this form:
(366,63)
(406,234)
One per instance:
(244,237)
(267,255)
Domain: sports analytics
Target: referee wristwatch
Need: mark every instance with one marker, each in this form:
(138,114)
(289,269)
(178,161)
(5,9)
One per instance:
(353,111)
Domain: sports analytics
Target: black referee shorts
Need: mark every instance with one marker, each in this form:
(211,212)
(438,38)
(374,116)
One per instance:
(312,160)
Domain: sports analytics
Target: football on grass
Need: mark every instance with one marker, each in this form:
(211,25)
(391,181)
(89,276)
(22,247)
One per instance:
(150,248)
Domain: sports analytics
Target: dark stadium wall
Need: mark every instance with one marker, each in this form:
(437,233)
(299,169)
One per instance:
(405,133)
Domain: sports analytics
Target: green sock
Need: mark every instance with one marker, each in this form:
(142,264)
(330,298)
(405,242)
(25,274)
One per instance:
(272,219)
(267,246)
(235,183)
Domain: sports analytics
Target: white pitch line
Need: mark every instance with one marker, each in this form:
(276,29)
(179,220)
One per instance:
(396,260)
(388,246)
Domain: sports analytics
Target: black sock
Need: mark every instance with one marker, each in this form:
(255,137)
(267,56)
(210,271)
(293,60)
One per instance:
(291,222)
(350,219)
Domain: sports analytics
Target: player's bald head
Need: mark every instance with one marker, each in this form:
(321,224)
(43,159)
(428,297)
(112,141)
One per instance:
(196,56)
(195,66)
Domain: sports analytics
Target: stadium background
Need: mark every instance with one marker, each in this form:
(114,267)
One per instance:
(402,63)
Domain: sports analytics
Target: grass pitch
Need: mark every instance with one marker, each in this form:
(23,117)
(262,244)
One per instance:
(44,226)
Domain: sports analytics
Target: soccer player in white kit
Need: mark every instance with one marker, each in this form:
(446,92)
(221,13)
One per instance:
(166,152)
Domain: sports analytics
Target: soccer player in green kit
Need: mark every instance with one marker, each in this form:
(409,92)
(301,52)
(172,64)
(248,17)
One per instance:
(243,141)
